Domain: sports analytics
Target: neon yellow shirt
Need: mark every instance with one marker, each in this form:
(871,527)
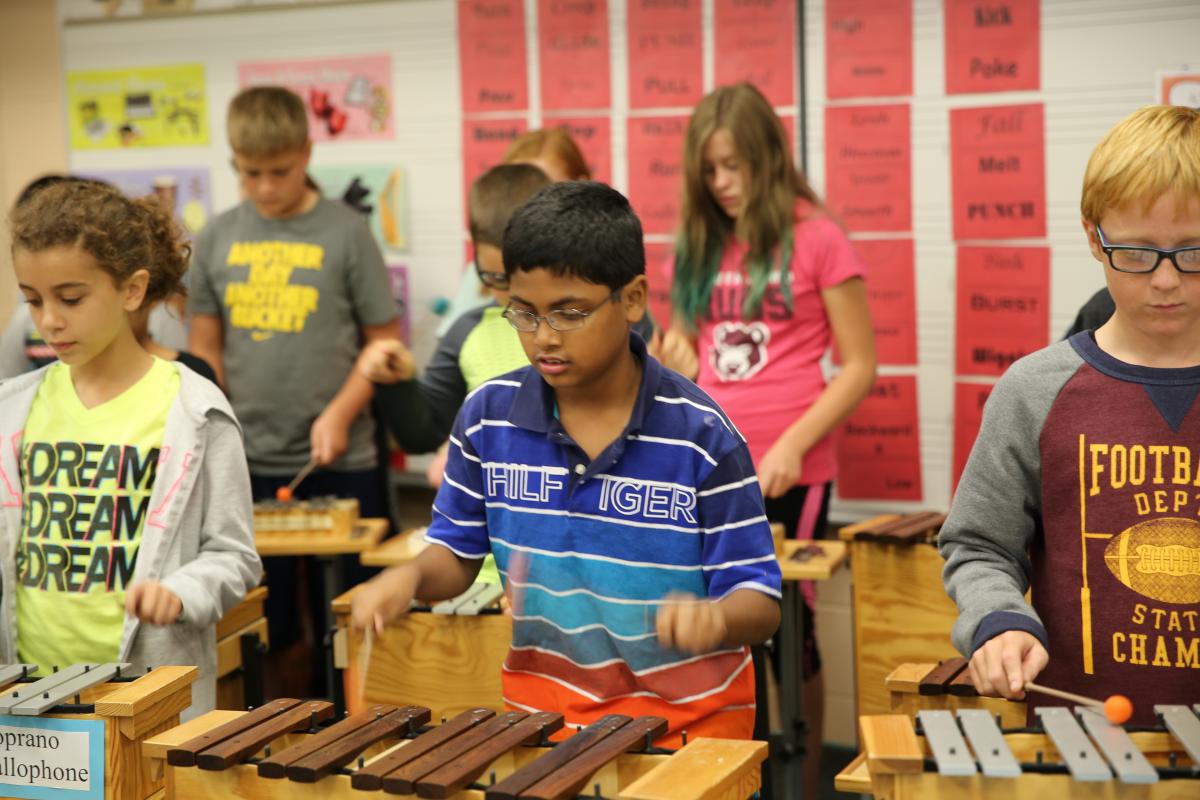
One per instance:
(87,475)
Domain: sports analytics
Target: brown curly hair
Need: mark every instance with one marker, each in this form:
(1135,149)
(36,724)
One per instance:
(123,235)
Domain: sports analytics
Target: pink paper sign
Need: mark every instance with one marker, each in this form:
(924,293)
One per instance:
(868,172)
(868,48)
(594,137)
(878,447)
(993,46)
(491,54)
(656,170)
(347,98)
(998,172)
(574,52)
(484,143)
(756,43)
(969,399)
(1002,308)
(665,67)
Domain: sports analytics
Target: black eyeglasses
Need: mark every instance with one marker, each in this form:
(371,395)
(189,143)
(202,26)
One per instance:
(1141,260)
(492,280)
(560,319)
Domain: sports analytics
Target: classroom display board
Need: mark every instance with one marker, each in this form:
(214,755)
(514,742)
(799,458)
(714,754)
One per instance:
(949,137)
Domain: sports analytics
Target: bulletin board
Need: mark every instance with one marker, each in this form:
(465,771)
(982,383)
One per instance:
(876,95)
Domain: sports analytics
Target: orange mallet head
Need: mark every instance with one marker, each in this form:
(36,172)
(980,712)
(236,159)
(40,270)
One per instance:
(1118,709)
(283,494)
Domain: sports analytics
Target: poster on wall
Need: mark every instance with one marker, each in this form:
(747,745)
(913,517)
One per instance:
(348,98)
(1178,88)
(594,137)
(183,191)
(573,52)
(969,399)
(756,42)
(998,172)
(660,268)
(665,66)
(993,47)
(379,191)
(162,106)
(656,170)
(1002,307)
(398,278)
(868,48)
(484,143)
(868,166)
(891,296)
(491,52)
(878,447)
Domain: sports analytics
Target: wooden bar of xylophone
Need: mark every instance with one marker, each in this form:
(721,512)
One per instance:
(293,749)
(112,709)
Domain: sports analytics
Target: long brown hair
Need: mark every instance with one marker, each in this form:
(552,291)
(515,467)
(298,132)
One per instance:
(771,188)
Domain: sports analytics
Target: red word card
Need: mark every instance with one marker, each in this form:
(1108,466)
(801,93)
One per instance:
(993,46)
(1002,307)
(756,43)
(868,166)
(969,399)
(573,48)
(878,447)
(491,52)
(665,68)
(868,48)
(998,172)
(656,170)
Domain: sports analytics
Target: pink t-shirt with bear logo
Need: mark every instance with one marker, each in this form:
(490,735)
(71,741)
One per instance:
(766,372)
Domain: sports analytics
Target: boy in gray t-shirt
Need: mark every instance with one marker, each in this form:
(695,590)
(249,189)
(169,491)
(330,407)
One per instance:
(285,289)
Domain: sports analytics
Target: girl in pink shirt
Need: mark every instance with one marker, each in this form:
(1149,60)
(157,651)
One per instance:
(764,281)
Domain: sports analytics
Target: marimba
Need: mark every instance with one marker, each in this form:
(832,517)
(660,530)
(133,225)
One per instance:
(290,749)
(80,729)
(901,611)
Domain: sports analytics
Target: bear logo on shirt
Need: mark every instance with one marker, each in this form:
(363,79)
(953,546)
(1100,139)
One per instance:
(739,350)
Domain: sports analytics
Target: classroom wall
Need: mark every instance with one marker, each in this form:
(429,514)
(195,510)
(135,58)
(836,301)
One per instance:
(32,136)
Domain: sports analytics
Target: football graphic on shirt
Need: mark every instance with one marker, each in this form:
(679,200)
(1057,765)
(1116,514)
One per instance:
(739,350)
(1159,559)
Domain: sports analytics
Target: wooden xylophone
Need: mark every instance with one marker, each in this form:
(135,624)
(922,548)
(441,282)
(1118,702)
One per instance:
(80,729)
(289,748)
(896,576)
(334,515)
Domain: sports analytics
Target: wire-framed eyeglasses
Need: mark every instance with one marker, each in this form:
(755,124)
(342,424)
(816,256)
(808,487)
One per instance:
(560,319)
(1141,260)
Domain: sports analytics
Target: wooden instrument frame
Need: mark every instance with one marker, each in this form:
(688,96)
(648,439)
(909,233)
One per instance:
(133,712)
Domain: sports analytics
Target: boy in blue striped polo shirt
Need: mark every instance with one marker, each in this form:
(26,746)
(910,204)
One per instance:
(620,502)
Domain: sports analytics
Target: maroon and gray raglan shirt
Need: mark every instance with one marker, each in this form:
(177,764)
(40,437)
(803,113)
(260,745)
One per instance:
(1084,488)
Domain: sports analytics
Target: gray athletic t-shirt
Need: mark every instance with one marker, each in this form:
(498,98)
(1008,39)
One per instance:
(292,295)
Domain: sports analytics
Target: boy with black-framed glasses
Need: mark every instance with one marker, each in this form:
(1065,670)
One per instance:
(620,502)
(1082,485)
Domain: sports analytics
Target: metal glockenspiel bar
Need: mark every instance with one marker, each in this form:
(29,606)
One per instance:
(11,673)
(996,760)
(1122,754)
(35,698)
(1073,745)
(949,750)
(1184,726)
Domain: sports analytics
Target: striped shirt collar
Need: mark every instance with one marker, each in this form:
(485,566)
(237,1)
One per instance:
(533,406)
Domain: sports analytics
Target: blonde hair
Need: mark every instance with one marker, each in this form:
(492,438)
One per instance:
(265,121)
(772,186)
(1154,150)
(553,142)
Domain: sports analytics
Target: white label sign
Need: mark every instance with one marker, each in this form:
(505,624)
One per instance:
(39,755)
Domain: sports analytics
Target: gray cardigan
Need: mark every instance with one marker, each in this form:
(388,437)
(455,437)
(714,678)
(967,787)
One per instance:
(198,539)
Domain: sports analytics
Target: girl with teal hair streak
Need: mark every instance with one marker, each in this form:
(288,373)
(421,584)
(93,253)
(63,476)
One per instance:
(764,281)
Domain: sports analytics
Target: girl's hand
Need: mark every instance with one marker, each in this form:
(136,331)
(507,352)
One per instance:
(152,603)
(691,624)
(676,351)
(779,469)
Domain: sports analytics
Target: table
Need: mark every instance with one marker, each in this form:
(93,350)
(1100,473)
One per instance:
(327,547)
